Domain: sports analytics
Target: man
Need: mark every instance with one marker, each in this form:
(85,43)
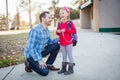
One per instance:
(39,44)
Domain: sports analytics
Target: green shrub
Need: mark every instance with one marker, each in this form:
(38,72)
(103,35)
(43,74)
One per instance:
(74,14)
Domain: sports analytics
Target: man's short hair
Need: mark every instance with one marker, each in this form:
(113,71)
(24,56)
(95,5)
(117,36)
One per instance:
(43,15)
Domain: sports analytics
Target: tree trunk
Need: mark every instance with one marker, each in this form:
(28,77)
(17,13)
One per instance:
(7,22)
(30,20)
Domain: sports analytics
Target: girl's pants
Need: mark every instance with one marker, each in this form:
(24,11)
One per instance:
(67,52)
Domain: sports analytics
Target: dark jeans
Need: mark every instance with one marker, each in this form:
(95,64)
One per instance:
(51,49)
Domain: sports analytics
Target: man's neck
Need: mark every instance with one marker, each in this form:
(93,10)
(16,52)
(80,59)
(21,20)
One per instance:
(44,25)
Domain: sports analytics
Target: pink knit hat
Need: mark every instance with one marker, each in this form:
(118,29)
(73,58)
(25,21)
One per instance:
(66,9)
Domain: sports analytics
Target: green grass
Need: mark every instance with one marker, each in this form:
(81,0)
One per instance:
(12,48)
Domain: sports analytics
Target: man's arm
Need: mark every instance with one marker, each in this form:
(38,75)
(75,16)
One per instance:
(32,46)
(52,41)
(33,51)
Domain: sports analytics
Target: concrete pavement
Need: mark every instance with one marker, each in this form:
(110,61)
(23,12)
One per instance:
(97,57)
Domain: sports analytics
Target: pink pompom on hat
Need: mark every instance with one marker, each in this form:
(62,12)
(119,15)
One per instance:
(66,9)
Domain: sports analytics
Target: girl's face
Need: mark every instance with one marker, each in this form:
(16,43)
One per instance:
(63,15)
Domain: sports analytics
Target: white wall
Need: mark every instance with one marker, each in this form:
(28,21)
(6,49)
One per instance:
(109,13)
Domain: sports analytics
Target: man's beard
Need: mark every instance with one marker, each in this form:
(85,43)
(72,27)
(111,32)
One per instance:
(48,23)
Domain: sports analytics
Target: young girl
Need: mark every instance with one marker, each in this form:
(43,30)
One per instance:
(66,45)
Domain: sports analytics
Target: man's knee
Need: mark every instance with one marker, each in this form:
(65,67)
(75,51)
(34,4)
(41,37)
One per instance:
(57,46)
(44,72)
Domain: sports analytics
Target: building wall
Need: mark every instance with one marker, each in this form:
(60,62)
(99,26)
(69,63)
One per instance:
(109,13)
(89,15)
(106,16)
(96,16)
(85,18)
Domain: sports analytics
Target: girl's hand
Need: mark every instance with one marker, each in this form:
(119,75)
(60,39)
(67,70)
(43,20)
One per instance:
(59,31)
(63,30)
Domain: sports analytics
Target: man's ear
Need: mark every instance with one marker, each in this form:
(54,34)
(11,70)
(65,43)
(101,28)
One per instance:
(43,19)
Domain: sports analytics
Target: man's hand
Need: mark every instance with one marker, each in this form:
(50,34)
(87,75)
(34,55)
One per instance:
(42,64)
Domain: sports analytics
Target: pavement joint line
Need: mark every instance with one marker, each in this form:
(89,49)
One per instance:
(8,73)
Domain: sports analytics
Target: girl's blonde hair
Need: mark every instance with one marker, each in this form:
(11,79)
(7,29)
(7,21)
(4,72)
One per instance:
(67,10)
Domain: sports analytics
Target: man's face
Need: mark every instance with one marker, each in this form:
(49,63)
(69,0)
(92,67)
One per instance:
(47,19)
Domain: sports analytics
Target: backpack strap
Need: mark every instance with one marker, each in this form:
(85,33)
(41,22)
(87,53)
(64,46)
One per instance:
(69,24)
